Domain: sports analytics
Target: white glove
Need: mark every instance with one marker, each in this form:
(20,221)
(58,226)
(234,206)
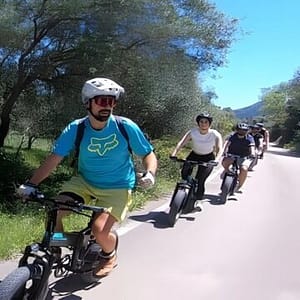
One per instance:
(26,190)
(146,180)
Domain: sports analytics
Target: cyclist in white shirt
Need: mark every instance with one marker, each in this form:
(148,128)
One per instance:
(207,145)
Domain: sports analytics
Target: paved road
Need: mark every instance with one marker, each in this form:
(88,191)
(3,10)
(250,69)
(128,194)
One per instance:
(247,249)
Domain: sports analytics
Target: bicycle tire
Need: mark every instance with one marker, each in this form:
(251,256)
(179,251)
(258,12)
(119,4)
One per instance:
(176,206)
(189,203)
(225,188)
(233,185)
(13,285)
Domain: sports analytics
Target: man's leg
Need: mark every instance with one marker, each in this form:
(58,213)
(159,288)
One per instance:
(242,176)
(107,240)
(226,162)
(64,197)
(102,231)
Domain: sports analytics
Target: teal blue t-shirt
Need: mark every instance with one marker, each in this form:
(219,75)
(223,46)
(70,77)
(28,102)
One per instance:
(104,160)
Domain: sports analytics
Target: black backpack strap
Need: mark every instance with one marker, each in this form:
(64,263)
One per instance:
(79,135)
(121,127)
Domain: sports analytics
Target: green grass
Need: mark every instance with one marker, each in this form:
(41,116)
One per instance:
(18,231)
(25,226)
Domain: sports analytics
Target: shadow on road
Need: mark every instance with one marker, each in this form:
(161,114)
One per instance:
(159,219)
(215,199)
(65,287)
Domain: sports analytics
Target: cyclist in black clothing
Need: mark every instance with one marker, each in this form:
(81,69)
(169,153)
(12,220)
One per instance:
(258,140)
(265,133)
(239,143)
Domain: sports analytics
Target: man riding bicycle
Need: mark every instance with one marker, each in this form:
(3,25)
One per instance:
(258,140)
(266,137)
(106,173)
(239,143)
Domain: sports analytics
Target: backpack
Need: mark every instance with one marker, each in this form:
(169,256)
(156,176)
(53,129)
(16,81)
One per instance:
(80,131)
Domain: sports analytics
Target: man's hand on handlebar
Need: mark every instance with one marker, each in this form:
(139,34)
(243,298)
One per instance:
(146,180)
(27,190)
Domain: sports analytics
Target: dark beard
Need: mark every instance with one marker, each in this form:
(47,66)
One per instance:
(101,118)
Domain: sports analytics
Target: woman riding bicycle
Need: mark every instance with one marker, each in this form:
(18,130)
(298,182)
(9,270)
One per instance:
(239,143)
(206,146)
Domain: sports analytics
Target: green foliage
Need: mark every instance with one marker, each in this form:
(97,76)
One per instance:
(282,110)
(275,106)
(13,171)
(153,48)
(297,141)
(19,230)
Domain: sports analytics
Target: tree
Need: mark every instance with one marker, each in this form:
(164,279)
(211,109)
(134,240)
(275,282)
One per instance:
(274,106)
(59,44)
(37,42)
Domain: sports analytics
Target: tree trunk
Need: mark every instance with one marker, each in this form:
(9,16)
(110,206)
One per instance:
(4,128)
(31,140)
(8,106)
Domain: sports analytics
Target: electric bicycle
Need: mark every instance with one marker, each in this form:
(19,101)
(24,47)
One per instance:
(30,279)
(184,195)
(230,179)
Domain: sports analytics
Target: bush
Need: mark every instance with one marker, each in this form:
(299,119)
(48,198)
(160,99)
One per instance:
(12,172)
(15,169)
(164,147)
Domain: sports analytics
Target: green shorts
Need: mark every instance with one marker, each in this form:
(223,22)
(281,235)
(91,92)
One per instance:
(117,201)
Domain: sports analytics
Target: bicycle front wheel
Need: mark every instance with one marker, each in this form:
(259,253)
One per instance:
(176,206)
(225,188)
(13,285)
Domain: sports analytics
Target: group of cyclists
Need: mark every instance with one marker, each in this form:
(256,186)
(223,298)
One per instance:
(106,173)
(249,142)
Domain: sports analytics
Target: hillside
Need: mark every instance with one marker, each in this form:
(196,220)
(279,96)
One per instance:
(251,111)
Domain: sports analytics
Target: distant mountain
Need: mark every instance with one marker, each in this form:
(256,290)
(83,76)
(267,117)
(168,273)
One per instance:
(251,111)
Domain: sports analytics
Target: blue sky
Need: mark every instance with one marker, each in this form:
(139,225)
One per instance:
(268,55)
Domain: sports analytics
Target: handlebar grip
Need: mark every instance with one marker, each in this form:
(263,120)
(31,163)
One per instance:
(213,163)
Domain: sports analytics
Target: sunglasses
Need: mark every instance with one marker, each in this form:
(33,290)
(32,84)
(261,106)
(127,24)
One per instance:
(104,100)
(203,121)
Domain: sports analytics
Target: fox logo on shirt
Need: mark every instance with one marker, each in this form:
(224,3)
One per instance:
(101,146)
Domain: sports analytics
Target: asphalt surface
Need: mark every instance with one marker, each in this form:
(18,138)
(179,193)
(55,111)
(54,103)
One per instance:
(247,249)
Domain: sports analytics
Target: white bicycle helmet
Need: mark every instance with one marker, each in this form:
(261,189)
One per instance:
(100,86)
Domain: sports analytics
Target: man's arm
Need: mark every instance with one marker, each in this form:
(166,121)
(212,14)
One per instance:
(267,139)
(45,169)
(225,148)
(252,150)
(150,163)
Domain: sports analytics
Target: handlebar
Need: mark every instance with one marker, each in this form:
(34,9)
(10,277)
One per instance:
(74,206)
(212,163)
